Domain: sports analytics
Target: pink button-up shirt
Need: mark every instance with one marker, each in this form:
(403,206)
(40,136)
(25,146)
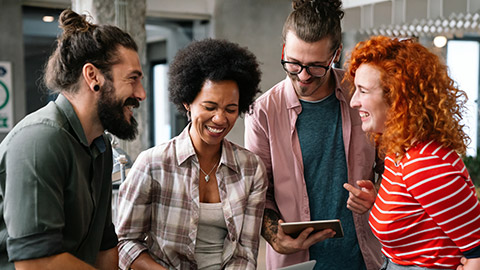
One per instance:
(270,132)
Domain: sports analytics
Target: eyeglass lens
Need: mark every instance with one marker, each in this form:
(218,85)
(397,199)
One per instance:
(296,68)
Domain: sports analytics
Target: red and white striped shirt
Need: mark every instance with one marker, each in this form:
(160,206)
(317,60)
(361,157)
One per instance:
(426,212)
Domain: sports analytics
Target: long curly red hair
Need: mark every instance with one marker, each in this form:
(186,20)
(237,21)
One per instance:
(425,103)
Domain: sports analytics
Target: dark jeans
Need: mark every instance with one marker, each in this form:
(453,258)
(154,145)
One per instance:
(389,265)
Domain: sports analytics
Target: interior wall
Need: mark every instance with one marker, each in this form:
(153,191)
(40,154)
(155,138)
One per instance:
(251,23)
(10,42)
(256,25)
(380,14)
(39,43)
(165,38)
(180,9)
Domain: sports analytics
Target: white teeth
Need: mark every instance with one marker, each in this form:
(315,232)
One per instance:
(214,130)
(364,114)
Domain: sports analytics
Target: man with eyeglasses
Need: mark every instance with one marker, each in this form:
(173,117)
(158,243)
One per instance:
(314,149)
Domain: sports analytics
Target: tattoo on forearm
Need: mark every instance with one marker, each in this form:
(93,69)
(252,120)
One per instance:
(270,225)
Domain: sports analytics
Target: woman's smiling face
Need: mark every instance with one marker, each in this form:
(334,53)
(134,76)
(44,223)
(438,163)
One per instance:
(213,112)
(369,99)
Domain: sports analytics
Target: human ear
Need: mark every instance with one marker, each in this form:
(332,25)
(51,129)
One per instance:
(92,76)
(339,53)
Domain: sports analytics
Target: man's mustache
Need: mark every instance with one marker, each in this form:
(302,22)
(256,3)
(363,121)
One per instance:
(132,102)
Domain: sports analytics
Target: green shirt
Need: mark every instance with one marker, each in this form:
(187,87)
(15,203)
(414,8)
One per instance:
(319,127)
(55,189)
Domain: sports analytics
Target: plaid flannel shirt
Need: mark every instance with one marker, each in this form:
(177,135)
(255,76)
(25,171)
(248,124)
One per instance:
(159,205)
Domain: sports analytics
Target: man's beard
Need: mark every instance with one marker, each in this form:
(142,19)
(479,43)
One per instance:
(112,115)
(309,91)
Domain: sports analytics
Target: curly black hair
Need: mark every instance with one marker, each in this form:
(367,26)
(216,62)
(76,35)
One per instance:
(214,60)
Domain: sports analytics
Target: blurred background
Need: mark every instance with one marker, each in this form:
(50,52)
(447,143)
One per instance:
(28,29)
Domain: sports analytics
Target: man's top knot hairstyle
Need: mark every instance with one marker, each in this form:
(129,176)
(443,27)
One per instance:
(71,22)
(82,42)
(314,20)
(322,8)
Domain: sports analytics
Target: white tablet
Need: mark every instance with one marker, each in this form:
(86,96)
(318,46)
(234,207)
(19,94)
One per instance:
(295,228)
(300,266)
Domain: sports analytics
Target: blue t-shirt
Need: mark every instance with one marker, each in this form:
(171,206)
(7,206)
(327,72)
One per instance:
(319,128)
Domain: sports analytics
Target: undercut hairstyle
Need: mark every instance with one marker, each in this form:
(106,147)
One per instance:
(82,42)
(425,103)
(215,60)
(314,20)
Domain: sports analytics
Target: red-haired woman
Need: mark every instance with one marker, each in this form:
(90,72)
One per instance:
(426,214)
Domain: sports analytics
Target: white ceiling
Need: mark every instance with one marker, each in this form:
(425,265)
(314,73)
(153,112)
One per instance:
(358,3)
(180,9)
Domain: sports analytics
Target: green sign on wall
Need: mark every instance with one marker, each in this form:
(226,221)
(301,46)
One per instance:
(6,106)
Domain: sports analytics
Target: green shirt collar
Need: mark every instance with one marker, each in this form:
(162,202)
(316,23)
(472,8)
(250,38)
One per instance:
(66,107)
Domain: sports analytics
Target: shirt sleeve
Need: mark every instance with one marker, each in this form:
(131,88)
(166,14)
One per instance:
(257,141)
(444,190)
(134,212)
(36,164)
(250,235)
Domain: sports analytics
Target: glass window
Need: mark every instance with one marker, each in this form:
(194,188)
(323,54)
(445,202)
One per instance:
(465,73)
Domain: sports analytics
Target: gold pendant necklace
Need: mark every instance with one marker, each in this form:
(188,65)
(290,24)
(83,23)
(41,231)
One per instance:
(207,175)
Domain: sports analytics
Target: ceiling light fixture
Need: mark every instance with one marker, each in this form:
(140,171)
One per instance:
(48,19)
(440,41)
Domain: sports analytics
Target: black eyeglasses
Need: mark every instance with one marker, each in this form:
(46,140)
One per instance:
(295,68)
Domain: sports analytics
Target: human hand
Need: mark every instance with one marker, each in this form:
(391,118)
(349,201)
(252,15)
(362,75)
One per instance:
(360,200)
(285,244)
(469,264)
(145,261)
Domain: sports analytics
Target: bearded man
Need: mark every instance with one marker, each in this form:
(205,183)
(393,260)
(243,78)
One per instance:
(55,164)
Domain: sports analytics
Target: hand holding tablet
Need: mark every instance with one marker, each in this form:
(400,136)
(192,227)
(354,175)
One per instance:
(295,228)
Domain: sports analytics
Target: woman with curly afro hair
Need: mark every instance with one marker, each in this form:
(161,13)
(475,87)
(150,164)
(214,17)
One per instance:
(426,214)
(197,201)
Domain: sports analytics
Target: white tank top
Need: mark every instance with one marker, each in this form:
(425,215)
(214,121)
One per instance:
(211,234)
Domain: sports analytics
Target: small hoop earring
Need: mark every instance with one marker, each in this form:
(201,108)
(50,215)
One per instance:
(96,87)
(189,116)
